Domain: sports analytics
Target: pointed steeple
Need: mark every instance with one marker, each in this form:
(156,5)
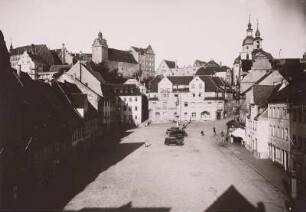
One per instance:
(257,33)
(11,46)
(249,29)
(249,24)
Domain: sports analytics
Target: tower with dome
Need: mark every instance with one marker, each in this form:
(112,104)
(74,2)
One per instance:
(251,51)
(99,49)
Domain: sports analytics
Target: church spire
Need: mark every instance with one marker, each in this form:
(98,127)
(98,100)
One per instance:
(249,29)
(11,46)
(257,33)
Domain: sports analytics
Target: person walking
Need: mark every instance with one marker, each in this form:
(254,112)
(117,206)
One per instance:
(214,130)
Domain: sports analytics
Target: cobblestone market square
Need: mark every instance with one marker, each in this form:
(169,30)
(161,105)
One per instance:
(182,178)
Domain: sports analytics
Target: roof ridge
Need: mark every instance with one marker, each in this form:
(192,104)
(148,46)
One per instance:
(209,77)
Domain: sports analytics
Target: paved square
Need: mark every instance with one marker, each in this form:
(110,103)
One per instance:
(184,178)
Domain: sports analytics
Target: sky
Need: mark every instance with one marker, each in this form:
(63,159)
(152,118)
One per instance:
(178,30)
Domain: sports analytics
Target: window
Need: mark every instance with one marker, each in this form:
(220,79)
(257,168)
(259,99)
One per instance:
(175,95)
(130,99)
(300,116)
(124,99)
(270,129)
(273,131)
(186,104)
(192,86)
(185,113)
(286,134)
(124,108)
(193,95)
(293,141)
(293,115)
(200,94)
(130,117)
(135,99)
(200,86)
(193,115)
(135,117)
(135,108)
(299,143)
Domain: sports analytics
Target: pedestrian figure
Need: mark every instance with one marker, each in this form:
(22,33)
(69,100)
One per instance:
(222,136)
(147,144)
(202,133)
(214,129)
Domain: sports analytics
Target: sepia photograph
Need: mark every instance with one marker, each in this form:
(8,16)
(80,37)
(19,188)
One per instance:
(153,105)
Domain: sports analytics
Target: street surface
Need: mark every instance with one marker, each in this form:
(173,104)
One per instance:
(192,177)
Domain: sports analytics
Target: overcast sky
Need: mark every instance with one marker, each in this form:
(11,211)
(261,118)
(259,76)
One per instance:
(182,30)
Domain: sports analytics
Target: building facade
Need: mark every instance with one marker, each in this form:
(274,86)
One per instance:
(185,98)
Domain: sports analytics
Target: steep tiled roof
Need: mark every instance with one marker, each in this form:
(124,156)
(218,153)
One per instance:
(170,64)
(210,84)
(199,63)
(289,68)
(121,56)
(107,90)
(261,93)
(212,63)
(267,54)
(139,50)
(180,80)
(57,68)
(126,90)
(78,100)
(294,93)
(153,84)
(40,51)
(20,50)
(96,74)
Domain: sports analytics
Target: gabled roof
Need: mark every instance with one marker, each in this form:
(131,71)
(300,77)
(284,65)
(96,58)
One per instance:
(199,63)
(78,100)
(261,93)
(96,74)
(261,51)
(40,52)
(254,77)
(20,50)
(170,64)
(153,84)
(210,84)
(289,68)
(294,93)
(263,114)
(212,63)
(142,51)
(121,56)
(211,70)
(58,68)
(107,90)
(180,80)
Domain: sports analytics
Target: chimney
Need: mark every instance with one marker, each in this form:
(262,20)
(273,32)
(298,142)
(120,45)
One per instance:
(63,53)
(33,48)
(18,70)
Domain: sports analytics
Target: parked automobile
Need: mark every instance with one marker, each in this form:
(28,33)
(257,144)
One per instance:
(172,129)
(174,140)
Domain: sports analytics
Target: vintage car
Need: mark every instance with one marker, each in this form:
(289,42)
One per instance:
(174,141)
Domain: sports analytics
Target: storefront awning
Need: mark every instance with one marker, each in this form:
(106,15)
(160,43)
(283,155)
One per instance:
(239,133)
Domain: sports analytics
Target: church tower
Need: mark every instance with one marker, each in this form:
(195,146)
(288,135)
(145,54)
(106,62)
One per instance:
(99,49)
(248,43)
(258,39)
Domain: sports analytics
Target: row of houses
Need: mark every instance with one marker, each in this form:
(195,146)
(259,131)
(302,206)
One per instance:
(48,123)
(37,60)
(273,109)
